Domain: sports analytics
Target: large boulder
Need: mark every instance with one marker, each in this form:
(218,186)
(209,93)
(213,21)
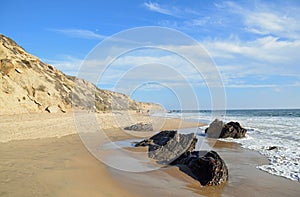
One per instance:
(215,128)
(167,146)
(140,127)
(209,169)
(173,148)
(218,129)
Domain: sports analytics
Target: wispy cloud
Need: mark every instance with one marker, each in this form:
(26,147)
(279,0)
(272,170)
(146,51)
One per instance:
(246,61)
(269,23)
(268,49)
(142,65)
(240,71)
(155,7)
(264,19)
(170,10)
(265,43)
(68,64)
(79,33)
(242,18)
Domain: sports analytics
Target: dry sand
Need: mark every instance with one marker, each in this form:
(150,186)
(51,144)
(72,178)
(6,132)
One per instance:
(44,125)
(53,167)
(42,155)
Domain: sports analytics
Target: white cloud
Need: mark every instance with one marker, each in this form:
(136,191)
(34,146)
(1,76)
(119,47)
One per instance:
(168,68)
(171,10)
(246,59)
(277,87)
(198,21)
(234,70)
(263,19)
(267,49)
(270,50)
(268,56)
(80,33)
(68,64)
(271,23)
(155,7)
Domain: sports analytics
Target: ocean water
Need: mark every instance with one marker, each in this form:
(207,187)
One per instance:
(266,128)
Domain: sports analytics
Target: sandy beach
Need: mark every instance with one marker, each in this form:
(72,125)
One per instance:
(128,98)
(43,155)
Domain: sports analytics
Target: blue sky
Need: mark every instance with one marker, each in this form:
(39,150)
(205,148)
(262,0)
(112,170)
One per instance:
(254,44)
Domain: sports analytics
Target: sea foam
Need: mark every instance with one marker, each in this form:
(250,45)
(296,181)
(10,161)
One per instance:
(273,133)
(278,138)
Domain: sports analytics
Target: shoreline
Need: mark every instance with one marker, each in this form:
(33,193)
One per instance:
(62,165)
(244,178)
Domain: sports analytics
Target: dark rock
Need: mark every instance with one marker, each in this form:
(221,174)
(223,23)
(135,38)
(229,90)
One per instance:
(272,148)
(145,142)
(209,169)
(171,147)
(217,129)
(140,127)
(163,137)
(167,146)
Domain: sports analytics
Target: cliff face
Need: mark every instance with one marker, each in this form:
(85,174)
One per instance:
(29,85)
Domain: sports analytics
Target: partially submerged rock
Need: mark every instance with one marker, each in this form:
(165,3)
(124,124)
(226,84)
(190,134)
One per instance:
(140,127)
(218,129)
(171,147)
(272,148)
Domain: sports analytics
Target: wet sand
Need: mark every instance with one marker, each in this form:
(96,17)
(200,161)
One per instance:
(244,178)
(61,166)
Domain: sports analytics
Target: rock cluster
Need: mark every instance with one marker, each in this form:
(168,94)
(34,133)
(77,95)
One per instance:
(173,148)
(218,129)
(140,127)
